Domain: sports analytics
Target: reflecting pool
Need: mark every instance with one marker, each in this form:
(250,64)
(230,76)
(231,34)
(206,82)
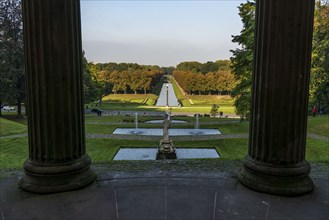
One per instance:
(150,153)
(172,131)
(172,99)
(161,121)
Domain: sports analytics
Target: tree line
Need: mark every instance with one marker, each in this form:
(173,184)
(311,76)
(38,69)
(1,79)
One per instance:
(219,80)
(104,78)
(204,68)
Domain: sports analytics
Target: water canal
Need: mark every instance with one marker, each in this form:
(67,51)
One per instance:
(172,99)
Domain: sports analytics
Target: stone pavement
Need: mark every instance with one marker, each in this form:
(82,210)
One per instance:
(163,193)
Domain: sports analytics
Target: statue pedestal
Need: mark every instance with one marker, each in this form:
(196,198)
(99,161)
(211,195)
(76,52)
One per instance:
(166,150)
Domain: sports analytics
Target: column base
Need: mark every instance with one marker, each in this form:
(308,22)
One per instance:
(54,178)
(289,180)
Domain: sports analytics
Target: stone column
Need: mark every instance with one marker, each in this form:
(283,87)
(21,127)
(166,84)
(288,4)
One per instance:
(276,156)
(57,153)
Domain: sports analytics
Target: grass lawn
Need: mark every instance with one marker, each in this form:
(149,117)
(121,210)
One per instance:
(317,150)
(318,125)
(14,151)
(180,96)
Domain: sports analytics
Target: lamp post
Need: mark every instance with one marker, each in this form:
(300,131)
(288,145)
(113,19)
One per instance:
(167,96)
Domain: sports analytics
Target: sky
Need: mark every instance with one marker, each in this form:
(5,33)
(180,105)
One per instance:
(163,33)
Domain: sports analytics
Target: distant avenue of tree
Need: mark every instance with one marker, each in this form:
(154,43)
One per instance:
(102,79)
(205,78)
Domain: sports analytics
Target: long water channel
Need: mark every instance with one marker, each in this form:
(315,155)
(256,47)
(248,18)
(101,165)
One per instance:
(172,99)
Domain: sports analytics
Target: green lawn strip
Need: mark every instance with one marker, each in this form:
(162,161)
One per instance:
(119,118)
(9,127)
(109,128)
(7,113)
(180,96)
(128,97)
(204,109)
(212,99)
(318,125)
(150,102)
(99,128)
(234,128)
(19,120)
(177,91)
(127,107)
(231,128)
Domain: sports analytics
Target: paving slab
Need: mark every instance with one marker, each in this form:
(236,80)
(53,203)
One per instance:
(141,203)
(199,201)
(162,194)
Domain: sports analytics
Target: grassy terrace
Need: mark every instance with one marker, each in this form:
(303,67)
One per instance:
(127,101)
(14,151)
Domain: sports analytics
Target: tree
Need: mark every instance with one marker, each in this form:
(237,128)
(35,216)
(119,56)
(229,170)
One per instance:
(190,66)
(101,84)
(209,67)
(319,85)
(12,84)
(214,110)
(242,59)
(210,82)
(89,85)
(146,79)
(167,70)
(228,81)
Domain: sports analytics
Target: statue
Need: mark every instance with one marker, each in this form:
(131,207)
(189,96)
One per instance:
(166,125)
(166,149)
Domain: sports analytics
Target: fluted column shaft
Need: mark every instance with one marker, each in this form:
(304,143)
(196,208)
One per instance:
(53,52)
(283,43)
